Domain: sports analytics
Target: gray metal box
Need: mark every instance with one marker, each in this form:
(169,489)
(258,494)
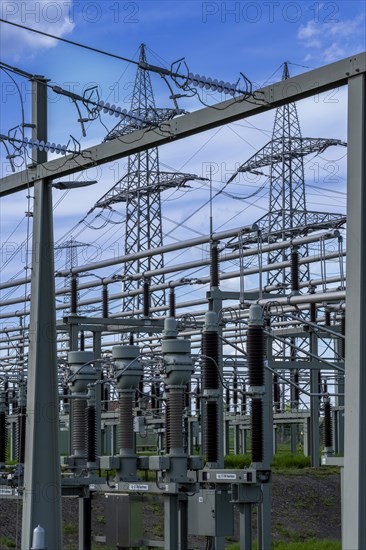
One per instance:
(123,514)
(210,514)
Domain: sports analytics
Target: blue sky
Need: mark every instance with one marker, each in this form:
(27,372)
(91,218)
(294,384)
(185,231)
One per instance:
(217,39)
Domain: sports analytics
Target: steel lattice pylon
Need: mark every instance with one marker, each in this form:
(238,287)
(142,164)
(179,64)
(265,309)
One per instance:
(140,188)
(287,214)
(71,260)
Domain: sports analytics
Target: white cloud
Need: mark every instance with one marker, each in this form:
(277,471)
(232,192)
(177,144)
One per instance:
(309,30)
(335,51)
(334,39)
(51,17)
(349,27)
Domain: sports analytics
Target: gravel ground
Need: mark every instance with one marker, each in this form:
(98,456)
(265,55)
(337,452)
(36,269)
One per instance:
(304,506)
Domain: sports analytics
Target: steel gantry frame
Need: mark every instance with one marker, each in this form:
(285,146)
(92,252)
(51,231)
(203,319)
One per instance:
(41,476)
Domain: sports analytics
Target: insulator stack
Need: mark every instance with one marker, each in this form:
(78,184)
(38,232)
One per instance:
(3,437)
(235,389)
(105,396)
(342,341)
(91,434)
(210,351)
(105,312)
(65,393)
(139,391)
(257,429)
(7,392)
(296,390)
(74,295)
(198,400)
(313,312)
(328,433)
(327,317)
(244,401)
(146,299)
(227,400)
(325,387)
(295,279)
(276,393)
(126,435)
(167,426)
(21,434)
(187,396)
(267,326)
(131,339)
(255,355)
(176,437)
(214,265)
(79,426)
(172,303)
(157,394)
(82,341)
(153,400)
(211,432)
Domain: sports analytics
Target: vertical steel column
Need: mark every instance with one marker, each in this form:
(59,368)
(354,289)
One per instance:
(354,501)
(97,350)
(42,480)
(85,524)
(314,407)
(268,453)
(245,525)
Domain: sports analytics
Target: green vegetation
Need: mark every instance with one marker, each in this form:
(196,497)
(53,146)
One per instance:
(283,462)
(5,542)
(70,528)
(101,519)
(237,461)
(311,544)
(155,508)
(158,530)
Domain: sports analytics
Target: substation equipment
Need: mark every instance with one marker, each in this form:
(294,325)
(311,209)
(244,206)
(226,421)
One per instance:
(175,393)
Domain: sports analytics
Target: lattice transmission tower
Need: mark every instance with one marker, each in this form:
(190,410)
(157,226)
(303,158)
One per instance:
(140,189)
(71,247)
(288,216)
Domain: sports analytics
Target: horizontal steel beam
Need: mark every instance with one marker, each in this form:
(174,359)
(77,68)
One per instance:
(272,96)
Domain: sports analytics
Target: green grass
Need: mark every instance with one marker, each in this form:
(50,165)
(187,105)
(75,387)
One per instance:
(6,542)
(70,528)
(283,462)
(237,461)
(311,544)
(158,530)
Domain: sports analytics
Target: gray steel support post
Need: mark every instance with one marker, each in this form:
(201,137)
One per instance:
(306,442)
(275,443)
(74,346)
(243,441)
(339,415)
(236,439)
(354,502)
(42,480)
(171,522)
(314,407)
(183,523)
(74,337)
(265,515)
(245,521)
(215,304)
(97,350)
(227,437)
(85,524)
